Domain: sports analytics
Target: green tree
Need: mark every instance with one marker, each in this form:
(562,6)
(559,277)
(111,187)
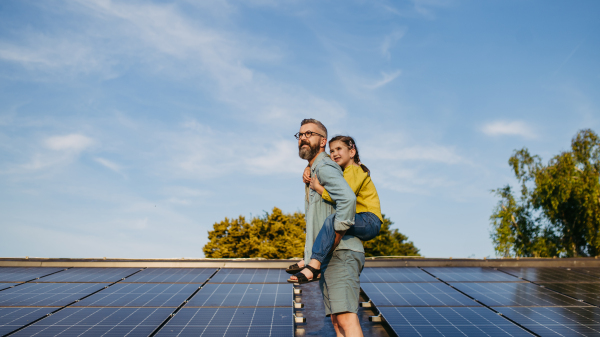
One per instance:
(272,236)
(559,209)
(281,236)
(390,242)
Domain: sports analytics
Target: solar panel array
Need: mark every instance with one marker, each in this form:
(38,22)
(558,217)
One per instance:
(141,302)
(484,301)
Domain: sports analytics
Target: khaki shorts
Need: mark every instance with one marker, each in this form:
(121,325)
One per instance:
(340,281)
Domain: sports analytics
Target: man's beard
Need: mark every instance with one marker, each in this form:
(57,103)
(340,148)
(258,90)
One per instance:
(310,152)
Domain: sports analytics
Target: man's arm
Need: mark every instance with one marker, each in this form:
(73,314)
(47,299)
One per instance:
(340,192)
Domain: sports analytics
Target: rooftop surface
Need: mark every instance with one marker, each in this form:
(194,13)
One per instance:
(202,297)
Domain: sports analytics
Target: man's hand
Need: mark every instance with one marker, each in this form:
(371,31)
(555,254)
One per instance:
(315,185)
(306,175)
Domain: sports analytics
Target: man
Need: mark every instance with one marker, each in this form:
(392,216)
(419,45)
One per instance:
(339,282)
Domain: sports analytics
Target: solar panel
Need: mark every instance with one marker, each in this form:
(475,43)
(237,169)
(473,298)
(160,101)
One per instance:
(589,292)
(595,272)
(550,275)
(230,322)
(14,318)
(250,275)
(243,295)
(471,274)
(415,294)
(556,321)
(22,274)
(46,294)
(515,294)
(140,295)
(94,275)
(99,322)
(7,285)
(172,275)
(448,321)
(402,274)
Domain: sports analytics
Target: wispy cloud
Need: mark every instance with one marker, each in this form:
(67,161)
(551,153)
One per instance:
(390,40)
(508,128)
(386,78)
(72,142)
(109,164)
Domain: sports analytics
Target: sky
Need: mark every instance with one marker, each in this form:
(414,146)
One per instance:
(128,128)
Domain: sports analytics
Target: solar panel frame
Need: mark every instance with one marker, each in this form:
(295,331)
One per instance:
(250,275)
(140,295)
(99,322)
(15,317)
(47,294)
(514,294)
(171,275)
(449,321)
(548,275)
(470,274)
(24,274)
(230,322)
(89,275)
(7,285)
(556,321)
(395,274)
(243,295)
(415,295)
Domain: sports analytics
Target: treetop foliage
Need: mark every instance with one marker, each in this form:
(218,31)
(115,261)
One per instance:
(281,236)
(558,213)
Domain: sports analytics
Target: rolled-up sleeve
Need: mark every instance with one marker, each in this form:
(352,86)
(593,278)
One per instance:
(340,192)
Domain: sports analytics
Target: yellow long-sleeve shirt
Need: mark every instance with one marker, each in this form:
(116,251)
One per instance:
(367,199)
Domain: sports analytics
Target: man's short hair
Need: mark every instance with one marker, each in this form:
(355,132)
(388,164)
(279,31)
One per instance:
(317,123)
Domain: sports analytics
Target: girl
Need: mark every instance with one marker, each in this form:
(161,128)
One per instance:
(368,217)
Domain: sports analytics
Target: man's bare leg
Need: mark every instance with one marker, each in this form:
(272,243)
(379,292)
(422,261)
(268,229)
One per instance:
(346,325)
(315,263)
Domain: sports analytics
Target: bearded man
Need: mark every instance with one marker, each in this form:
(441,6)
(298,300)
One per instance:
(339,283)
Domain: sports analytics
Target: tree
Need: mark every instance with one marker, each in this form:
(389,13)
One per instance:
(390,242)
(281,236)
(272,236)
(559,209)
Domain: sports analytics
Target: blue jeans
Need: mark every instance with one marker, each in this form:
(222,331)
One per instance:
(366,227)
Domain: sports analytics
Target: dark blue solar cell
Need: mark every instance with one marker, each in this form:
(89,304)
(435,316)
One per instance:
(7,285)
(595,272)
(556,321)
(99,322)
(250,275)
(449,321)
(90,275)
(559,275)
(243,295)
(14,318)
(172,275)
(140,295)
(415,294)
(231,322)
(515,294)
(471,274)
(589,292)
(22,274)
(46,294)
(401,274)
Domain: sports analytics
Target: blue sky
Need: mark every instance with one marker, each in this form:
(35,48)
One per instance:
(127,128)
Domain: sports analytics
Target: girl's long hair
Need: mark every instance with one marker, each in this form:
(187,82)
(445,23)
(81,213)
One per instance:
(349,141)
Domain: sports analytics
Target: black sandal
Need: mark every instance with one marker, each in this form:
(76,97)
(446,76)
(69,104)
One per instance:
(301,278)
(293,269)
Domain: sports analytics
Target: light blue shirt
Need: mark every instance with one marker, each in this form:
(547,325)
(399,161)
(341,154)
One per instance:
(331,176)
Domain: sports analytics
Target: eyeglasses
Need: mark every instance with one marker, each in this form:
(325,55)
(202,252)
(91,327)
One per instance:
(307,135)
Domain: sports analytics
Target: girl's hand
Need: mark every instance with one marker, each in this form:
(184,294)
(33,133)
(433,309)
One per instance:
(315,185)
(306,175)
